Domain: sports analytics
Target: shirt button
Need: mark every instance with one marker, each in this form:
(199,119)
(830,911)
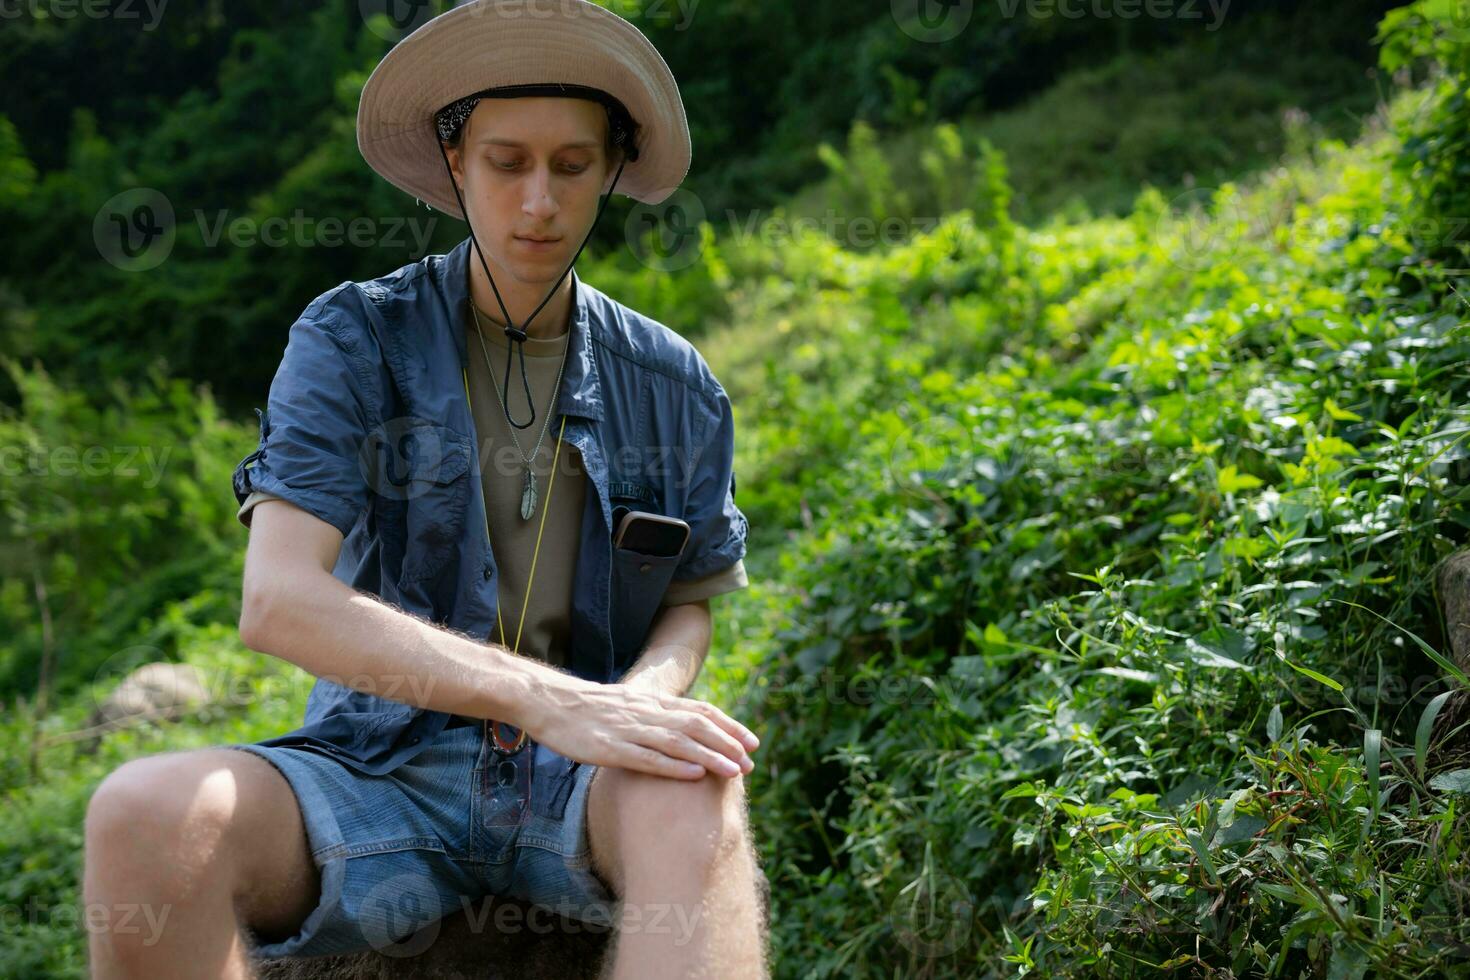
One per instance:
(644,567)
(486,574)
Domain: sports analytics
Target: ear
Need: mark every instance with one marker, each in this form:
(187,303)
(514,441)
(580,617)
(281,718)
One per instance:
(455,165)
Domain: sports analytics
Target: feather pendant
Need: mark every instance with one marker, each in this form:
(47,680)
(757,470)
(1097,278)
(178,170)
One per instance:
(528,496)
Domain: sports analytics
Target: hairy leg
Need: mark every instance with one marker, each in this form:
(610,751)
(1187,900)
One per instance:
(679,857)
(183,848)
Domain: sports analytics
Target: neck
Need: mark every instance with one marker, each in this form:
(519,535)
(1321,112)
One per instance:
(521,299)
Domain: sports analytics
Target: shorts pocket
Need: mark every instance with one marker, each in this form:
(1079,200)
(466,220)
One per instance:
(551,782)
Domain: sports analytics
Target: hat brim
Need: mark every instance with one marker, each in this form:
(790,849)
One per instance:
(489,43)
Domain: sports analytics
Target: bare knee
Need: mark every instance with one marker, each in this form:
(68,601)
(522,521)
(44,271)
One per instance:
(697,824)
(162,824)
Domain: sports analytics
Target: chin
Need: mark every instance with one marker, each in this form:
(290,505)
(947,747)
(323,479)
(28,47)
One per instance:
(533,263)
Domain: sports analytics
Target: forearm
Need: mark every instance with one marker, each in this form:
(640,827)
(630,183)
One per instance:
(675,651)
(334,631)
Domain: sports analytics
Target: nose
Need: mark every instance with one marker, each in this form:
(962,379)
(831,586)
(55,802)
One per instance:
(539,203)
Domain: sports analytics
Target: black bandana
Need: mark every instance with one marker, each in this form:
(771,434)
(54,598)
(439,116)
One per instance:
(621,126)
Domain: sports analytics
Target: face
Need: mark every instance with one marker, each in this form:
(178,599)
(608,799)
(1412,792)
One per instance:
(532,168)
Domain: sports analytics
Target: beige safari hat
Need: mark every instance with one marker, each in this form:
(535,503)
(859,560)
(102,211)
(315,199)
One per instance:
(489,44)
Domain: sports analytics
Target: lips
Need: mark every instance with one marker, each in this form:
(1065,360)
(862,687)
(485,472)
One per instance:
(528,238)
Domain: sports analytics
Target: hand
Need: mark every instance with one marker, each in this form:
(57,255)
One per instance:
(618,725)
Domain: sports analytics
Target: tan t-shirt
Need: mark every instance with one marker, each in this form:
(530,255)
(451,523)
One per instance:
(545,633)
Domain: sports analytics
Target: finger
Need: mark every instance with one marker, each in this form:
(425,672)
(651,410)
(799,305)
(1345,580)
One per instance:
(703,730)
(744,735)
(680,746)
(644,759)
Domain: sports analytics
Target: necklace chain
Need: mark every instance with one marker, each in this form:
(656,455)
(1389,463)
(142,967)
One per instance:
(529,493)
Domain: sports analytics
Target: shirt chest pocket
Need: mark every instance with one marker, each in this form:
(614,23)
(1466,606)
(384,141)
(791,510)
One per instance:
(424,469)
(639,582)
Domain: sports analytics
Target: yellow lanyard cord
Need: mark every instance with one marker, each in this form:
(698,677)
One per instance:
(550,486)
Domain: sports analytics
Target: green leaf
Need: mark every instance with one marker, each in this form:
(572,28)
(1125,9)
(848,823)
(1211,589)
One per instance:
(1341,414)
(1452,782)
(1319,678)
(1202,851)
(1281,892)
(1348,962)
(1426,725)
(1230,480)
(1372,746)
(1207,657)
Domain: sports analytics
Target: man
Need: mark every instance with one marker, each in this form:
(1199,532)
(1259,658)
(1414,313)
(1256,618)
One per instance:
(448,754)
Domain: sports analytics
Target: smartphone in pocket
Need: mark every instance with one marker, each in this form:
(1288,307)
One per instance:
(651,534)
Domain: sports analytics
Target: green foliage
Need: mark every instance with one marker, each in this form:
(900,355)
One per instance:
(1172,102)
(865,181)
(1435,157)
(17,175)
(114,503)
(1110,643)
(1192,113)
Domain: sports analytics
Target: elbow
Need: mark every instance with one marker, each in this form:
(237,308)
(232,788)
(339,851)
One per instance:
(255,617)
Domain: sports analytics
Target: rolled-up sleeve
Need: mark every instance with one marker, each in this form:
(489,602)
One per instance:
(717,528)
(314,426)
(726,580)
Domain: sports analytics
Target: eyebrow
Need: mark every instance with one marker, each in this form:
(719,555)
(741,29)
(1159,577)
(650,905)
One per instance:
(490,140)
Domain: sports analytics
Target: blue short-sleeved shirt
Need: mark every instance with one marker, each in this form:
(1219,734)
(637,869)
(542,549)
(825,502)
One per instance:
(368,428)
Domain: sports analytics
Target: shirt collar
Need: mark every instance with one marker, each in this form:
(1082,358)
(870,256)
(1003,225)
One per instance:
(581,387)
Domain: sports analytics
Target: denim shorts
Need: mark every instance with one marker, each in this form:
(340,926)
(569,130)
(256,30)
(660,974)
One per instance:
(458,823)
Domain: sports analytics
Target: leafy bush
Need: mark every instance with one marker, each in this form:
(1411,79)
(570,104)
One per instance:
(116,501)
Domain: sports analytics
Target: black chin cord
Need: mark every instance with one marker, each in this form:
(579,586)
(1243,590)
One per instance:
(518,335)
